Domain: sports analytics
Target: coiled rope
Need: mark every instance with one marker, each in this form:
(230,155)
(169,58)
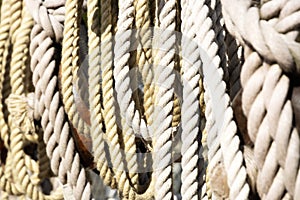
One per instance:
(166,99)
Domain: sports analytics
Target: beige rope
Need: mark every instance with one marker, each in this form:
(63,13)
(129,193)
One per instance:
(240,145)
(144,54)
(266,74)
(106,173)
(60,147)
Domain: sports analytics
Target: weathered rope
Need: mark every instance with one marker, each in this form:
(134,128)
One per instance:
(60,146)
(164,79)
(271,64)
(190,107)
(222,141)
(95,64)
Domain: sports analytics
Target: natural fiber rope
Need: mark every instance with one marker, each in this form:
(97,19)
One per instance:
(234,62)
(106,173)
(124,92)
(222,139)
(164,93)
(256,156)
(70,62)
(128,109)
(6,184)
(60,147)
(144,54)
(276,30)
(190,107)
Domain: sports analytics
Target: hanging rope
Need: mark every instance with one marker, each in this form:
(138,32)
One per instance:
(60,146)
(95,87)
(166,99)
(190,107)
(164,80)
(269,69)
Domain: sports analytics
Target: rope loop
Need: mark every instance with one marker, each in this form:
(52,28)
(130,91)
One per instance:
(49,16)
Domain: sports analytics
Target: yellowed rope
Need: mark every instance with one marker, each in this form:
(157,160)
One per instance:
(106,173)
(144,54)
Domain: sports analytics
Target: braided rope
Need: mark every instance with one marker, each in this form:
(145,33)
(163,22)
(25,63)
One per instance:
(164,80)
(265,75)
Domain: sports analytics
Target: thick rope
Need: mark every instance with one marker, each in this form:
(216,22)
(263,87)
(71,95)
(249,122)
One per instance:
(60,146)
(253,54)
(190,107)
(144,54)
(124,92)
(234,62)
(106,173)
(164,93)
(222,140)
(270,65)
(129,123)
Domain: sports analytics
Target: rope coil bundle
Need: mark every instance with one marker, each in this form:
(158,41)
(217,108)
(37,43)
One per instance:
(163,99)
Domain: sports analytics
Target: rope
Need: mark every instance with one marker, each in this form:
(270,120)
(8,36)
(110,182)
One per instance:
(190,107)
(130,123)
(269,69)
(144,54)
(60,146)
(164,80)
(124,92)
(234,63)
(94,86)
(222,141)
(210,112)
(70,63)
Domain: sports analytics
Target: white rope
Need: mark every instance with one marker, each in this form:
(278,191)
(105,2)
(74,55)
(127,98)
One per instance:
(127,105)
(164,80)
(191,181)
(220,126)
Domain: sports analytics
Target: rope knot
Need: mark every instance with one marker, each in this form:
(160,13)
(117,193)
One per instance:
(49,14)
(271,29)
(21,110)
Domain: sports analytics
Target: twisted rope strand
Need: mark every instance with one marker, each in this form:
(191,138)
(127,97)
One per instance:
(265,75)
(222,130)
(60,146)
(123,89)
(94,88)
(144,54)
(190,108)
(164,80)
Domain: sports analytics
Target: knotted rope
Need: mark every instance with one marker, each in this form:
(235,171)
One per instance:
(173,99)
(60,145)
(267,77)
